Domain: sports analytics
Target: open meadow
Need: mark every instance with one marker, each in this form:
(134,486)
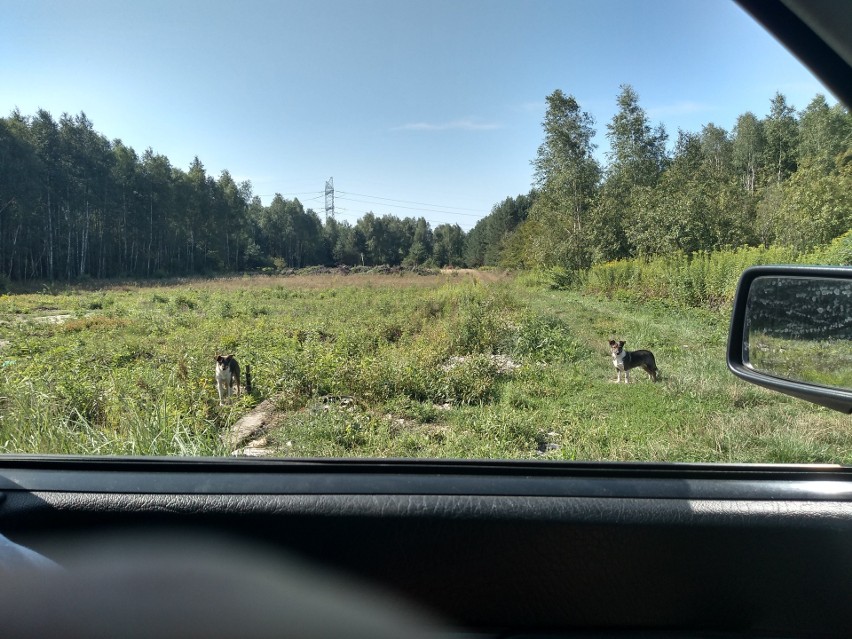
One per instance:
(473,365)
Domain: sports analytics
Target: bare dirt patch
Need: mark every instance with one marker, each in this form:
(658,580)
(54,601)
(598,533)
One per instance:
(250,427)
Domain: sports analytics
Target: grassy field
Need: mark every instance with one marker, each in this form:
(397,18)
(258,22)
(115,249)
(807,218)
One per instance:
(826,362)
(456,365)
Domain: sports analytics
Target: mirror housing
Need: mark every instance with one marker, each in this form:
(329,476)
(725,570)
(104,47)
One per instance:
(791,332)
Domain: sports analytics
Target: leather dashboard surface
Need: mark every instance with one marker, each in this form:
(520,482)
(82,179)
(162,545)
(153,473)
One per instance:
(752,553)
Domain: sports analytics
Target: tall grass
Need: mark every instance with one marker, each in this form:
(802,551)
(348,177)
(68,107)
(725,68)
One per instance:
(129,372)
(837,252)
(36,421)
(444,366)
(705,280)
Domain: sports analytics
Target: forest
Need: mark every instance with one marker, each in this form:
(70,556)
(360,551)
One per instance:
(76,205)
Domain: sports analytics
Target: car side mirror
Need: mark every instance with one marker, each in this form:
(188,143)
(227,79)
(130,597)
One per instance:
(791,331)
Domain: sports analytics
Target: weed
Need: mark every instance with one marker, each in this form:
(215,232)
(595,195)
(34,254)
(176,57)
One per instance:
(464,365)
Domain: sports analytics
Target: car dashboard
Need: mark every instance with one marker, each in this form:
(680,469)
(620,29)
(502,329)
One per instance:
(490,548)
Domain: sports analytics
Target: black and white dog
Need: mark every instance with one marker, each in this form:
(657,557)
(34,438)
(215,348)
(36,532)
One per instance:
(227,374)
(625,360)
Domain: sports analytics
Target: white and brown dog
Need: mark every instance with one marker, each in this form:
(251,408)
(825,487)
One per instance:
(625,360)
(227,374)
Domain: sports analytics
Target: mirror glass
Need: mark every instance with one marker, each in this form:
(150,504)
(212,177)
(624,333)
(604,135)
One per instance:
(800,328)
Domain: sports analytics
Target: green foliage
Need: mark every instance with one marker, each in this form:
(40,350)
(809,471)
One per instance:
(480,322)
(815,207)
(448,245)
(542,338)
(747,150)
(637,152)
(838,252)
(702,279)
(823,133)
(470,380)
(177,222)
(696,205)
(781,133)
(436,366)
(783,179)
(567,177)
(132,361)
(488,243)
(560,278)
(780,180)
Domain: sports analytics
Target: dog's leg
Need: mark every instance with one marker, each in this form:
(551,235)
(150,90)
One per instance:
(626,376)
(219,389)
(652,372)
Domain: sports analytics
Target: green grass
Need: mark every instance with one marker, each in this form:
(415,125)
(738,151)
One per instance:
(700,280)
(481,366)
(826,362)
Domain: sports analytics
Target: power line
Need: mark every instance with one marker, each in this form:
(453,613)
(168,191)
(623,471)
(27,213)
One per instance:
(412,208)
(359,215)
(330,192)
(441,206)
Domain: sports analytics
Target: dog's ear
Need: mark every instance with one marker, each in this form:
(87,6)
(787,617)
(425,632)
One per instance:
(219,358)
(622,343)
(612,342)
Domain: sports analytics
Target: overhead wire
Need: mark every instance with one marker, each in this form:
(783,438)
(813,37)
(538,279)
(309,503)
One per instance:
(376,197)
(411,208)
(397,203)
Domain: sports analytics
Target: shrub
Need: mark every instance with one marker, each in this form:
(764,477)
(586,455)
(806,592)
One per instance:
(480,322)
(472,380)
(545,338)
(838,252)
(702,279)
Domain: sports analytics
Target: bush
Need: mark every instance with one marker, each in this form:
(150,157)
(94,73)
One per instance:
(541,337)
(562,279)
(471,380)
(703,279)
(480,323)
(837,253)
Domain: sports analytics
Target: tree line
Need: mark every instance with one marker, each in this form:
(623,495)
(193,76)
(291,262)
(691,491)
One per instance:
(784,179)
(74,204)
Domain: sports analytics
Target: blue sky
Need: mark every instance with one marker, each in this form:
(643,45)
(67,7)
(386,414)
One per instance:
(429,108)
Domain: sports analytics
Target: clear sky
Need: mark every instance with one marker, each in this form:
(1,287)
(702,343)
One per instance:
(428,108)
